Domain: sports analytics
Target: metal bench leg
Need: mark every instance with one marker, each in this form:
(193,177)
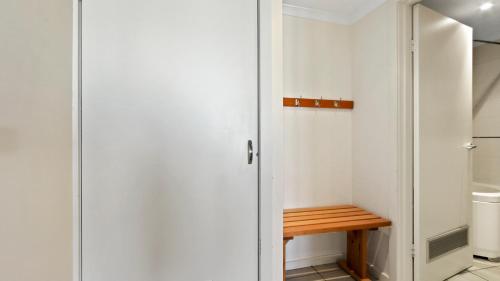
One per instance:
(357,255)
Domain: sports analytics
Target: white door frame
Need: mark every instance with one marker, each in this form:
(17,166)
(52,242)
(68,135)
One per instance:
(269,24)
(405,165)
(76,125)
(405,139)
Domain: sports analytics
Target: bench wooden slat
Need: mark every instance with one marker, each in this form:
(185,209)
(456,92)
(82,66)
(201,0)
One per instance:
(335,227)
(355,221)
(317,208)
(325,216)
(321,212)
(330,220)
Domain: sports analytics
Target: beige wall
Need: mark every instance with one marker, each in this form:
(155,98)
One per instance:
(317,142)
(334,157)
(486,161)
(35,140)
(374,123)
(275,139)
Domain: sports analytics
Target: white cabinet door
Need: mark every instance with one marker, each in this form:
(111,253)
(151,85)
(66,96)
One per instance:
(443,127)
(169,103)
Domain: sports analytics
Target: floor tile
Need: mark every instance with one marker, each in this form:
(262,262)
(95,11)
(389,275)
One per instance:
(300,272)
(466,276)
(335,275)
(490,274)
(309,277)
(326,267)
(483,263)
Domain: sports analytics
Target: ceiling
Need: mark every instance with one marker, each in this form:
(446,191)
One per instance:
(486,24)
(339,11)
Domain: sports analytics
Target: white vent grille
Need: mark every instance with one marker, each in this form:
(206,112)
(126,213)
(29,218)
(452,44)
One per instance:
(446,243)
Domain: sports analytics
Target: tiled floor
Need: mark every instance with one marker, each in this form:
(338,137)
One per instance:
(325,272)
(481,271)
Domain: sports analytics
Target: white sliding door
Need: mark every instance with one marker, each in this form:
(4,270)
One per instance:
(443,128)
(169,104)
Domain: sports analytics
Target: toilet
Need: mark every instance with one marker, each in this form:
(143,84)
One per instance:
(486,218)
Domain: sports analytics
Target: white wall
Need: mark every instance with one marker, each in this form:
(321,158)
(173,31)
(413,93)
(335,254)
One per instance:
(332,156)
(374,127)
(486,159)
(317,142)
(277,137)
(35,140)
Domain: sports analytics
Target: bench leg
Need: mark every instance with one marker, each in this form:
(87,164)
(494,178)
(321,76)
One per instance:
(285,241)
(357,255)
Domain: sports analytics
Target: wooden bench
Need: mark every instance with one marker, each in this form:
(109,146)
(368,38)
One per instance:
(355,221)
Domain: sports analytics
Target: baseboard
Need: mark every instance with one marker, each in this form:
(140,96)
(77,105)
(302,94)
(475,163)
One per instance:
(377,272)
(315,260)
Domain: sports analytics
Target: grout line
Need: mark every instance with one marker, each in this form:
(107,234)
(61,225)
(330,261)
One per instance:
(486,264)
(487,267)
(338,277)
(458,274)
(327,270)
(300,274)
(319,273)
(330,270)
(478,275)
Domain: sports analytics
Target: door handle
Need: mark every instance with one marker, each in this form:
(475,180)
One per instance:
(470,146)
(250,152)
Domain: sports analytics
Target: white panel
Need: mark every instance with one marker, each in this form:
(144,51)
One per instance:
(443,125)
(169,102)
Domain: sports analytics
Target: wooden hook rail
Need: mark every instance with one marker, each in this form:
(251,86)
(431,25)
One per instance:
(318,103)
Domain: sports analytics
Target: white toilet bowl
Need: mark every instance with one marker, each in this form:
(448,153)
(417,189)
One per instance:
(486,220)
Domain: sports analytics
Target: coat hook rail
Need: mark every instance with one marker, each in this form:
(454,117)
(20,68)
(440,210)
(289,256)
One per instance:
(318,103)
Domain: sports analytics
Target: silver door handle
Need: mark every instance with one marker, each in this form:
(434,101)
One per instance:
(250,152)
(470,146)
